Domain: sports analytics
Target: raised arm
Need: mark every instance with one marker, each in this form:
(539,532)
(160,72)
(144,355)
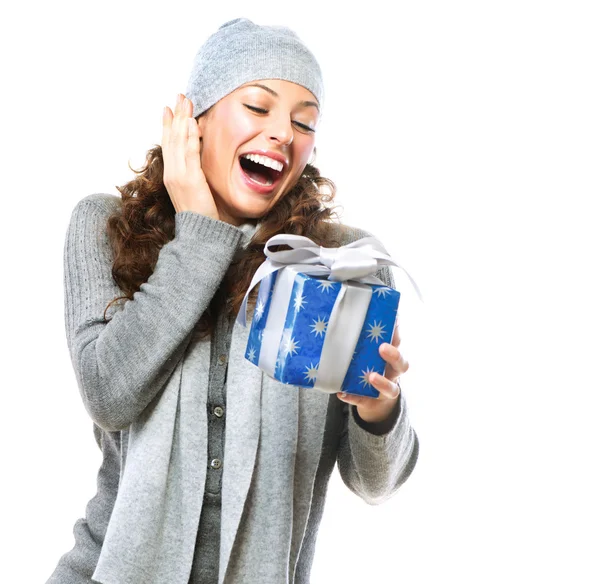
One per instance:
(120,365)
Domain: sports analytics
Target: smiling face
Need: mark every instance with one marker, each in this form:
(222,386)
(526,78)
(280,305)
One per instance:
(270,117)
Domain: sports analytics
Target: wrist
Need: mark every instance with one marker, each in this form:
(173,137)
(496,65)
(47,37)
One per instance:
(382,414)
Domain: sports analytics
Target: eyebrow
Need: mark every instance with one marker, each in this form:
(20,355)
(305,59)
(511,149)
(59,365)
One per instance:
(272,92)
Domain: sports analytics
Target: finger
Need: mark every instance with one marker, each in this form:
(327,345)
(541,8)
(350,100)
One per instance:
(192,153)
(192,147)
(179,138)
(385,386)
(176,125)
(352,399)
(396,336)
(167,120)
(167,153)
(170,118)
(396,364)
(178,100)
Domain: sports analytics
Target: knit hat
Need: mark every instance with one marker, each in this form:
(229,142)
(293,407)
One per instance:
(241,51)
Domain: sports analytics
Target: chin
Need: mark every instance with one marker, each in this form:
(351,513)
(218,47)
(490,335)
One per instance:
(249,211)
(257,204)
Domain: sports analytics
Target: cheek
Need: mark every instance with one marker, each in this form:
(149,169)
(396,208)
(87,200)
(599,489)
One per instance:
(308,146)
(302,155)
(208,159)
(229,141)
(236,126)
(219,150)
(302,159)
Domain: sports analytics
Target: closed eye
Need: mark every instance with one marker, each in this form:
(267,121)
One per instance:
(259,110)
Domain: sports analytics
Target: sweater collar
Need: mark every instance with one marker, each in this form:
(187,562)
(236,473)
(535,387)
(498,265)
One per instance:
(248,230)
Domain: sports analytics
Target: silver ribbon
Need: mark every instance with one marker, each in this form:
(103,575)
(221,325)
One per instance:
(354,265)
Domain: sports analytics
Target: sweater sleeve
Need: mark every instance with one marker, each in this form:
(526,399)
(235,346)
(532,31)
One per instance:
(78,565)
(375,459)
(375,466)
(121,364)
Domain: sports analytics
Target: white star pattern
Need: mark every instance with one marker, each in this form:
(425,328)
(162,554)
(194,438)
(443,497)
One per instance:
(252,355)
(319,327)
(382,291)
(326,285)
(292,347)
(376,331)
(311,372)
(298,301)
(364,379)
(289,344)
(260,308)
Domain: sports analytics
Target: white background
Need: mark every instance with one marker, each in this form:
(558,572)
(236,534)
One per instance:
(465,136)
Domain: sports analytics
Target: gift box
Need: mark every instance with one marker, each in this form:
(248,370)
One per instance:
(321,315)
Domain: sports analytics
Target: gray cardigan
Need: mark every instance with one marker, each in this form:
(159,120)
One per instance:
(373,459)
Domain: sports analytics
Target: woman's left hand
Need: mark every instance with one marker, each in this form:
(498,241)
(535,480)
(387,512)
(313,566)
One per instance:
(378,409)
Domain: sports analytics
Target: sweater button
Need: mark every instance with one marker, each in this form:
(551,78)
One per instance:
(215,463)
(218,411)
(222,359)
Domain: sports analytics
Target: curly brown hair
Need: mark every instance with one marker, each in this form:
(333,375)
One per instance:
(145,221)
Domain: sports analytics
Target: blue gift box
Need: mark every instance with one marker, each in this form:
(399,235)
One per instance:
(291,348)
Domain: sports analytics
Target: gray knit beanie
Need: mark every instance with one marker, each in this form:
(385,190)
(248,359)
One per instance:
(241,51)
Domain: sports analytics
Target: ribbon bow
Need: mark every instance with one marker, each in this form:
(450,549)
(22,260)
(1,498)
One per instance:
(357,261)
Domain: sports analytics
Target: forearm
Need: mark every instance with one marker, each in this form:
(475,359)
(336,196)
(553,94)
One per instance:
(375,465)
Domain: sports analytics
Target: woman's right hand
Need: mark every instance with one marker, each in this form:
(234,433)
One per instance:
(183,176)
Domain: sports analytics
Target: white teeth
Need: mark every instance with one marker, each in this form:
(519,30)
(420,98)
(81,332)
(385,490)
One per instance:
(265,161)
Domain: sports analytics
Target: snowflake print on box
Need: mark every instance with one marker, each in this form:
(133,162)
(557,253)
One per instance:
(305,329)
(306,324)
(378,328)
(259,318)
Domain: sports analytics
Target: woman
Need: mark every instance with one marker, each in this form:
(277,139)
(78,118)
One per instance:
(213,472)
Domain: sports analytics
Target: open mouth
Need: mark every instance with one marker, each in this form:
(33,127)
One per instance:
(259,173)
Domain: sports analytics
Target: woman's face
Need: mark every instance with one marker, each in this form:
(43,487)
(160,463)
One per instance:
(281,128)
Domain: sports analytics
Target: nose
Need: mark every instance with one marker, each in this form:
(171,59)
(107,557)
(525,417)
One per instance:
(281,130)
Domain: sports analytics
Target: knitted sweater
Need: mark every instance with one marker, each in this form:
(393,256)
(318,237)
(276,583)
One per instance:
(373,459)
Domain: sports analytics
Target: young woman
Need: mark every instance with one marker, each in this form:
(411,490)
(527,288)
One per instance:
(212,471)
